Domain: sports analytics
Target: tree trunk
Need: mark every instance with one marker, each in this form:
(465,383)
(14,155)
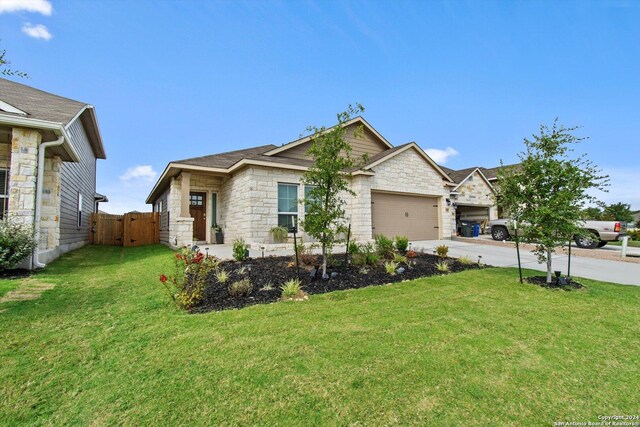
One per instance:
(549,268)
(324,257)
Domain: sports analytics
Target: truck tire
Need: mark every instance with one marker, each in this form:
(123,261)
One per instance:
(602,243)
(500,233)
(587,242)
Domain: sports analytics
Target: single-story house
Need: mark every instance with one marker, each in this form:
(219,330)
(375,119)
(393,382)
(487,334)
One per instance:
(49,146)
(399,191)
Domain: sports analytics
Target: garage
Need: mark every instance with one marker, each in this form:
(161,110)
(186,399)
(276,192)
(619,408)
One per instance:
(472,213)
(399,214)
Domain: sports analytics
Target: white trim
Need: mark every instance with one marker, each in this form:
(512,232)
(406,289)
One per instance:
(94,119)
(308,138)
(10,108)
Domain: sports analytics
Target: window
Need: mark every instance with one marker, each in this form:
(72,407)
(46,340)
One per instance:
(288,205)
(4,192)
(214,209)
(307,190)
(196,199)
(159,210)
(79,209)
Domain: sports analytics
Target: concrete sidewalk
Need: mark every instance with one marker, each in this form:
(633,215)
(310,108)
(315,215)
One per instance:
(605,270)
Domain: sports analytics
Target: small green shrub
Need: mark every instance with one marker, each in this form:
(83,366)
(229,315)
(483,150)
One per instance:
(240,288)
(240,250)
(390,267)
(402,243)
(280,234)
(442,266)
(384,246)
(353,248)
(192,271)
(222,276)
(16,243)
(442,251)
(634,234)
(465,260)
(305,256)
(291,289)
(399,259)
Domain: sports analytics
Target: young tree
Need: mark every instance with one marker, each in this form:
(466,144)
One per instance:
(5,70)
(548,192)
(618,212)
(328,180)
(592,212)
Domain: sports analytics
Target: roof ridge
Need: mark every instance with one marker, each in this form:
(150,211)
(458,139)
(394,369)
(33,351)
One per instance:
(227,152)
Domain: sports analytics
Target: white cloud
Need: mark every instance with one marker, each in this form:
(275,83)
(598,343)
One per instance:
(623,188)
(140,173)
(441,156)
(38,6)
(36,31)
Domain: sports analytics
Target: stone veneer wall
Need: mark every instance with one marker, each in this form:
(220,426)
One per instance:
(477,192)
(22,183)
(50,213)
(409,172)
(180,229)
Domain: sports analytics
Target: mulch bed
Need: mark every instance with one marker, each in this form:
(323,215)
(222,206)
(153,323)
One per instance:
(268,274)
(18,273)
(542,282)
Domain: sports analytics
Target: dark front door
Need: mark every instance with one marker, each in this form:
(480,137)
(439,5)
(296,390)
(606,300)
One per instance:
(197,210)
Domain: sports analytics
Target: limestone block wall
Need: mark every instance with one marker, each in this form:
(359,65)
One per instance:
(359,208)
(409,172)
(23,166)
(235,206)
(475,191)
(181,229)
(50,213)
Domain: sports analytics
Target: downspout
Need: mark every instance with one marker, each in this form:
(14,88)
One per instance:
(39,184)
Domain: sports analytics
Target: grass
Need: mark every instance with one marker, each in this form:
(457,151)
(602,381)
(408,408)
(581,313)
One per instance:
(630,243)
(104,347)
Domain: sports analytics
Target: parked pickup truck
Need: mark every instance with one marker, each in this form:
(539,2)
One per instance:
(601,232)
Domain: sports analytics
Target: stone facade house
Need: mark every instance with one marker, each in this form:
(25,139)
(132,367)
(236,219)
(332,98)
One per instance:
(399,191)
(49,146)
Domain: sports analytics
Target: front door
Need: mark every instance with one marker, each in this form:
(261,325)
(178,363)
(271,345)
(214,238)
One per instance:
(197,210)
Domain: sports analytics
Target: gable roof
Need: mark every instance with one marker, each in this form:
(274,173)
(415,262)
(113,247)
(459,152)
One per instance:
(38,108)
(490,174)
(227,159)
(307,138)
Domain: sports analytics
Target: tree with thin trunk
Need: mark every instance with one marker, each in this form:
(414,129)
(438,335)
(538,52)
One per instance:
(5,68)
(328,180)
(547,193)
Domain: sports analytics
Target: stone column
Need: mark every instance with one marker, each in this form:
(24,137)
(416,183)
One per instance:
(184,196)
(23,168)
(50,214)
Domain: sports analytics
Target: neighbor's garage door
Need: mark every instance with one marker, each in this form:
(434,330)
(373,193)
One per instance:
(404,215)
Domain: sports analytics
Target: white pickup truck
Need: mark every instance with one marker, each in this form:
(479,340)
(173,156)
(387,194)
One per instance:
(601,232)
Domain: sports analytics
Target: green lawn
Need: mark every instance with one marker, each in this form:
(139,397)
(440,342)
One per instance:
(631,243)
(475,348)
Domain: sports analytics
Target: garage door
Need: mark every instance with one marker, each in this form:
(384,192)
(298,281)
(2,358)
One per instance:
(404,215)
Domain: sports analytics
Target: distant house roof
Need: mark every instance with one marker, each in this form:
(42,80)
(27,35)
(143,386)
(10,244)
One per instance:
(461,174)
(19,101)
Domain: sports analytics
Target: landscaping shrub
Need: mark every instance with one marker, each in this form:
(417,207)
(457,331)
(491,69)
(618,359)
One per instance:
(384,246)
(222,276)
(292,289)
(353,248)
(304,252)
(442,251)
(390,267)
(240,288)
(399,259)
(411,254)
(442,266)
(16,243)
(280,234)
(402,243)
(190,277)
(240,250)
(465,260)
(634,234)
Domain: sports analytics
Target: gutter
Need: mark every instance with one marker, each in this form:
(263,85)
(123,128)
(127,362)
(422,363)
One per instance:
(39,184)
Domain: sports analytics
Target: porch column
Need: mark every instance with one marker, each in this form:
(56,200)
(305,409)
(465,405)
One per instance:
(23,168)
(184,199)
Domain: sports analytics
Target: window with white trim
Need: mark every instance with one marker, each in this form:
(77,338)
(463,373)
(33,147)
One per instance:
(159,210)
(79,209)
(307,190)
(288,205)
(4,192)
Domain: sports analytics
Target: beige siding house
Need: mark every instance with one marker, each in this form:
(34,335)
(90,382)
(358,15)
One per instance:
(399,191)
(49,146)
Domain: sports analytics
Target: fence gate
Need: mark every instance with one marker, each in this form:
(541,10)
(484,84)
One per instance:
(132,229)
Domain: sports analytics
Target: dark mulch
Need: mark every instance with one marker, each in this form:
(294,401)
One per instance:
(18,273)
(542,281)
(272,272)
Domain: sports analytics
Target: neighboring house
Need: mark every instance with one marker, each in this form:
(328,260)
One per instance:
(49,146)
(399,191)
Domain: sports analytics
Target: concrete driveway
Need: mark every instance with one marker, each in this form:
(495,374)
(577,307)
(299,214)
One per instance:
(625,273)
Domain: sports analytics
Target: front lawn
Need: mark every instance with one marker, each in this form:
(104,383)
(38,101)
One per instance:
(104,347)
(630,243)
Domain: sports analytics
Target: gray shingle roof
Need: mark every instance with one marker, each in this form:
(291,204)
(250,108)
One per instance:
(37,103)
(226,160)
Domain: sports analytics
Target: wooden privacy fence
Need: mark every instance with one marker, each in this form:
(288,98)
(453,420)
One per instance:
(132,229)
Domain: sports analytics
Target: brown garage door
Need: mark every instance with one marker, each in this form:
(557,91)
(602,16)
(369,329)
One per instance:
(404,215)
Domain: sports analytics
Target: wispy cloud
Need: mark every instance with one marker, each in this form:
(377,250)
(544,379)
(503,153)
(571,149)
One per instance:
(36,31)
(441,156)
(43,7)
(140,173)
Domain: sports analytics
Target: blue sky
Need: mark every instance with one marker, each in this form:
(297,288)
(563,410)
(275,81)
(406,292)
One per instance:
(177,79)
